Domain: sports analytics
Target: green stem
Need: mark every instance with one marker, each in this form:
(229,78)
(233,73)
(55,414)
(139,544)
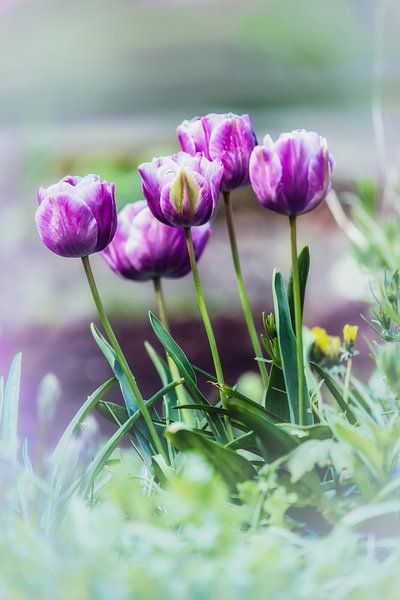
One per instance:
(158,291)
(121,358)
(347,379)
(297,318)
(207,322)
(244,299)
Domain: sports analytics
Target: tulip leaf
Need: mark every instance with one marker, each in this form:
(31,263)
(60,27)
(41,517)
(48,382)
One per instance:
(171,399)
(9,408)
(234,393)
(113,412)
(232,467)
(288,350)
(276,399)
(172,347)
(81,415)
(272,440)
(308,432)
(162,471)
(126,390)
(304,268)
(108,352)
(105,452)
(246,441)
(334,390)
(187,372)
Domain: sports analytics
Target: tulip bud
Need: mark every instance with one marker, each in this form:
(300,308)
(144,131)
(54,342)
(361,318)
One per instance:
(77,216)
(144,248)
(292,175)
(182,190)
(227,137)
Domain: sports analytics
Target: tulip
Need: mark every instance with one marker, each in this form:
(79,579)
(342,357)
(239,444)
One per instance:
(292,175)
(182,190)
(227,137)
(231,139)
(77,216)
(144,248)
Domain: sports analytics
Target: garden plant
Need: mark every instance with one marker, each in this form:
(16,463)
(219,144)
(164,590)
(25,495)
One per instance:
(291,493)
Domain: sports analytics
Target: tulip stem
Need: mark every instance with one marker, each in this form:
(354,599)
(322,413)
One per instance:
(162,313)
(121,358)
(244,299)
(207,323)
(298,317)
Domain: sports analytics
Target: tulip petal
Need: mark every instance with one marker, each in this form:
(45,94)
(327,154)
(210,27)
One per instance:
(151,188)
(232,141)
(297,150)
(265,173)
(186,202)
(67,226)
(318,177)
(115,253)
(99,196)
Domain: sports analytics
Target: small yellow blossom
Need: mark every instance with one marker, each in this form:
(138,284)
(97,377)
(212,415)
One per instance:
(329,345)
(350,335)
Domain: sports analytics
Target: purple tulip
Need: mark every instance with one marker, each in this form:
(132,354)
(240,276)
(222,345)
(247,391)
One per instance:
(228,137)
(182,190)
(77,216)
(292,175)
(143,248)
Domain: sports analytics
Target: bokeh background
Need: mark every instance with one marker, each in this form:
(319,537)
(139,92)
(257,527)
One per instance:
(100,85)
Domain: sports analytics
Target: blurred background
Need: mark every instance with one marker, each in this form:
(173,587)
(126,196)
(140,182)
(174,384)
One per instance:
(100,85)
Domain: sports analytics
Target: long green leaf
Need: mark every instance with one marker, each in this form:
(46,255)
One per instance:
(172,347)
(81,415)
(304,268)
(126,390)
(10,405)
(288,350)
(108,352)
(113,412)
(162,471)
(171,399)
(105,452)
(276,400)
(273,440)
(334,390)
(232,467)
(187,372)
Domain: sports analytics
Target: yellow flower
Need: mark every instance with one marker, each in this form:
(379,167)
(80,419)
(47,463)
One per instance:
(350,335)
(329,345)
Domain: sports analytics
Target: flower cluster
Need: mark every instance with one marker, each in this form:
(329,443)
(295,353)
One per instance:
(165,234)
(77,216)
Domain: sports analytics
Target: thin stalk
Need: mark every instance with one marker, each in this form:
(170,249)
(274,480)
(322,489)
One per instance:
(207,322)
(347,379)
(244,299)
(159,294)
(298,318)
(121,358)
